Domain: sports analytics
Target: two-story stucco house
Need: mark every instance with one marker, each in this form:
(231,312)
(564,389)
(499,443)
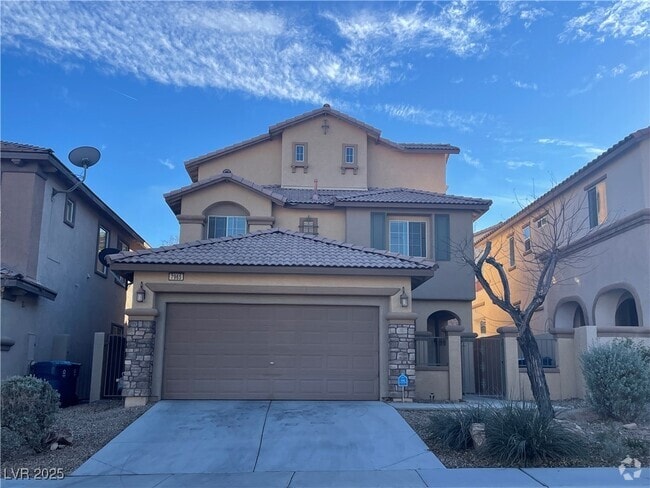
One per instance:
(310,258)
(602,286)
(55,292)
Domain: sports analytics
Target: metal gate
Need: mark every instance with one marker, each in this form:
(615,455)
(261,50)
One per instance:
(114,351)
(489,366)
(467,365)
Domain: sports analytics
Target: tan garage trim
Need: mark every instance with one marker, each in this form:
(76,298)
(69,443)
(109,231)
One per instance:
(271,351)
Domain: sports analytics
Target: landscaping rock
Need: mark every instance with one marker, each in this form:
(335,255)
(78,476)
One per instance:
(477,431)
(630,426)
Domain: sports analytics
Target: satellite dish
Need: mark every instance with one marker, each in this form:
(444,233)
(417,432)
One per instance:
(107,252)
(84,156)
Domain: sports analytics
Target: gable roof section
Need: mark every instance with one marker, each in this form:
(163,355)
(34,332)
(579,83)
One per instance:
(274,248)
(173,198)
(11,150)
(613,152)
(192,165)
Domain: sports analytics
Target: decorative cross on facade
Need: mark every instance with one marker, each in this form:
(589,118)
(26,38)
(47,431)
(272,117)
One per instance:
(325,126)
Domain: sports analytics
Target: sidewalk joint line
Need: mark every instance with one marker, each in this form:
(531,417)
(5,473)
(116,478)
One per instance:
(259,449)
(532,477)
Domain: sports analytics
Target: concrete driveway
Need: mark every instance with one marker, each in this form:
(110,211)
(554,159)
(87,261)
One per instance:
(262,436)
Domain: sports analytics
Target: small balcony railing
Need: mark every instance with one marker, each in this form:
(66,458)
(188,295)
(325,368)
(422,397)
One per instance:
(431,351)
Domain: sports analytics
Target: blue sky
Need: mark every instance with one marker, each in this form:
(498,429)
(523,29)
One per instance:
(530,91)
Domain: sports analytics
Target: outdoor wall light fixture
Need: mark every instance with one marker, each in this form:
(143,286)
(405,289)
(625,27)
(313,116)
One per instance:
(404,298)
(83,157)
(141,294)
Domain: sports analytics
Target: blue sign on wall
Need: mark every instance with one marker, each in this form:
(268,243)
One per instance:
(402,380)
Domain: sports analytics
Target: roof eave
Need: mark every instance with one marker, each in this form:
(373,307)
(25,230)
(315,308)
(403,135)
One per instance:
(29,288)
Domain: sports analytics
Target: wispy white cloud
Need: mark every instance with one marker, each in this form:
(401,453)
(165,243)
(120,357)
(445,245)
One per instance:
(520,164)
(601,73)
(458,80)
(471,160)
(529,15)
(619,69)
(525,86)
(491,79)
(167,163)
(638,74)
(586,147)
(627,19)
(435,118)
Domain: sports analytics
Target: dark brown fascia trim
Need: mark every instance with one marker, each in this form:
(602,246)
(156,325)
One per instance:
(9,283)
(428,206)
(583,173)
(270,290)
(602,233)
(302,270)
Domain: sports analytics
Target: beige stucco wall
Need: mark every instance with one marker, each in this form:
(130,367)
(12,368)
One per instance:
(389,167)
(428,382)
(324,154)
(259,163)
(331,223)
(286,289)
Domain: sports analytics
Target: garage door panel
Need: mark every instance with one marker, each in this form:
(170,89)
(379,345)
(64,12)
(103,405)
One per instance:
(225,351)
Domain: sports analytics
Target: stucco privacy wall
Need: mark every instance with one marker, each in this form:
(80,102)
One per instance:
(194,206)
(324,154)
(242,288)
(390,167)
(260,163)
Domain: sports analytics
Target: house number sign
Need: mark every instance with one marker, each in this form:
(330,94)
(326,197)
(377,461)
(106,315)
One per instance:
(176,276)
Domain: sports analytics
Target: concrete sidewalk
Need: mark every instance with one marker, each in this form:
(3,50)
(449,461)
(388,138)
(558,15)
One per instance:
(456,478)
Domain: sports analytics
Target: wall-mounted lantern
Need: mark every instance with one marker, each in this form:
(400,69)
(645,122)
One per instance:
(141,294)
(404,298)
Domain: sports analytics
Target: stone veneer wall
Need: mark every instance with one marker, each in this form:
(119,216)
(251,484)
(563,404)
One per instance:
(138,361)
(401,359)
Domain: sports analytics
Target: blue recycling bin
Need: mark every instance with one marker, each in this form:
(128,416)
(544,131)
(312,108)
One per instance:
(62,376)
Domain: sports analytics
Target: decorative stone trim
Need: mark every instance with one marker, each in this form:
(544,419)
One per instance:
(138,359)
(401,359)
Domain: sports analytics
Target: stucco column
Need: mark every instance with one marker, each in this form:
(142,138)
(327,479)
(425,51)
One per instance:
(138,360)
(191,227)
(583,339)
(455,367)
(511,362)
(566,362)
(401,354)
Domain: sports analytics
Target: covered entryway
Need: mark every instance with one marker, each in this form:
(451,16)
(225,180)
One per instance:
(289,352)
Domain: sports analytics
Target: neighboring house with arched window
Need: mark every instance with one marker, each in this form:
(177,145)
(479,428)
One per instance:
(604,278)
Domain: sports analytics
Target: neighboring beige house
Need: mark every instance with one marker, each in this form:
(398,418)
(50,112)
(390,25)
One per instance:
(55,292)
(329,307)
(602,288)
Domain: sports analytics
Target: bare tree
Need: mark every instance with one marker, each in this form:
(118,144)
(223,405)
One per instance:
(563,222)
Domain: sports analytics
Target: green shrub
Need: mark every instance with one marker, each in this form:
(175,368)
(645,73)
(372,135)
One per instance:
(516,435)
(29,406)
(452,428)
(617,376)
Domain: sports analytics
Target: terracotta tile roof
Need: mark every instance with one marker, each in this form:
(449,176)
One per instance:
(273,248)
(12,278)
(593,165)
(421,147)
(411,196)
(19,147)
(295,196)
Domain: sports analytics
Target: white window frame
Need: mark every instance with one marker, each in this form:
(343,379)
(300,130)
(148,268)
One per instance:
(407,243)
(526,238)
(601,204)
(350,155)
(69,212)
(296,159)
(100,269)
(230,225)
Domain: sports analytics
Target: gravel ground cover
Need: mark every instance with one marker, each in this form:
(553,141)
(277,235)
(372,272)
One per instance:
(609,442)
(92,426)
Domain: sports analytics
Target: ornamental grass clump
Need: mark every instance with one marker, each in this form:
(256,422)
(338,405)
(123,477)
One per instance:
(29,407)
(517,435)
(617,376)
(452,428)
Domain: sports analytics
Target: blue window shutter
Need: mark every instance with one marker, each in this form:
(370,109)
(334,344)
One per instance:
(378,230)
(443,243)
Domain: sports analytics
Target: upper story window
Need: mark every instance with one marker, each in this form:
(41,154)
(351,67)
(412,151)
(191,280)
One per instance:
(408,237)
(526,234)
(596,199)
(350,158)
(443,237)
(299,157)
(226,226)
(122,246)
(511,251)
(309,225)
(103,241)
(542,221)
(69,212)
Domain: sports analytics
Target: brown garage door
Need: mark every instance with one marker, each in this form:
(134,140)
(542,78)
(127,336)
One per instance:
(291,352)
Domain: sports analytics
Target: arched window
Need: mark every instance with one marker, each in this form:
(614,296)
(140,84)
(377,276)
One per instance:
(626,311)
(226,219)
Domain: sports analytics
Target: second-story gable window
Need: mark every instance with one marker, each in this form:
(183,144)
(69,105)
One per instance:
(350,160)
(350,155)
(407,237)
(69,212)
(597,204)
(226,226)
(103,241)
(309,225)
(299,153)
(526,235)
(299,158)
